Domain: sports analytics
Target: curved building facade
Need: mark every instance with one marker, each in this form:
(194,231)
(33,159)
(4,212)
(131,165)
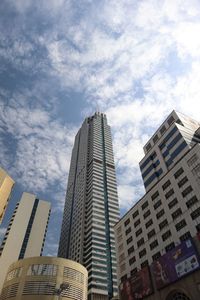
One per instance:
(45,278)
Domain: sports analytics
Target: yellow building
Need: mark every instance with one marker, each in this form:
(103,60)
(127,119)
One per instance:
(45,278)
(6,185)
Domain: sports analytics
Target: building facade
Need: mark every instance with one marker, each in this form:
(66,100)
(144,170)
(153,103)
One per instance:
(169,212)
(26,232)
(45,278)
(91,207)
(6,186)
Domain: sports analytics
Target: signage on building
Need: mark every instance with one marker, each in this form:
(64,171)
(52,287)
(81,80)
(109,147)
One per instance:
(138,286)
(178,262)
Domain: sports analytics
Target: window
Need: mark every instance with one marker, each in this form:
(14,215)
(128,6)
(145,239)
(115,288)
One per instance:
(121,247)
(126,222)
(155,138)
(177,213)
(144,205)
(163,224)
(138,232)
(154,244)
(180,225)
(188,190)
(170,247)
(137,223)
(169,194)
(198,228)
(151,233)
(160,214)
(172,203)
(149,223)
(130,250)
(195,214)
(156,256)
(163,129)
(155,195)
(140,242)
(178,173)
(42,269)
(182,181)
(146,214)
(142,253)
(129,240)
(148,147)
(166,235)
(134,271)
(123,278)
(170,120)
(157,204)
(135,214)
(132,260)
(185,236)
(128,230)
(192,160)
(144,264)
(166,184)
(14,273)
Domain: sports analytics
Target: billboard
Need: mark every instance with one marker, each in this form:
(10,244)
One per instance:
(178,262)
(137,286)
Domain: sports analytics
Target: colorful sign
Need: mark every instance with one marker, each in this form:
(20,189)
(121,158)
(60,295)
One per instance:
(178,262)
(137,287)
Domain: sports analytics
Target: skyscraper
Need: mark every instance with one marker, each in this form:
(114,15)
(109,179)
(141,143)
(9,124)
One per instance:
(91,207)
(26,232)
(6,185)
(165,222)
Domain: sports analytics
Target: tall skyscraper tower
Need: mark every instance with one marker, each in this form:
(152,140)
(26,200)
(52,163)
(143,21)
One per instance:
(91,207)
(6,185)
(26,232)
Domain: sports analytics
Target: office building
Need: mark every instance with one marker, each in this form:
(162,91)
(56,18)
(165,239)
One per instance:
(26,232)
(6,185)
(91,207)
(169,213)
(45,278)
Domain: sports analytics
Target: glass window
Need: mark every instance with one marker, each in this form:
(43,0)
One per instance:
(140,242)
(185,236)
(163,224)
(155,195)
(195,214)
(177,213)
(156,256)
(138,232)
(144,205)
(169,194)
(191,202)
(149,223)
(126,222)
(151,233)
(182,181)
(166,184)
(160,214)
(129,240)
(187,191)
(132,260)
(42,269)
(166,235)
(178,173)
(157,204)
(135,214)
(146,214)
(154,244)
(172,203)
(128,230)
(180,225)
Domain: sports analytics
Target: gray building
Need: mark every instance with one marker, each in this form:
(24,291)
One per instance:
(91,207)
(26,232)
(169,212)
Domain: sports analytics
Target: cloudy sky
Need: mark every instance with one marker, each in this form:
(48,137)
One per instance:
(60,60)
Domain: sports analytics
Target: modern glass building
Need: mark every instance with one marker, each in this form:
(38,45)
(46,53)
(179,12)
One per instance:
(25,233)
(91,207)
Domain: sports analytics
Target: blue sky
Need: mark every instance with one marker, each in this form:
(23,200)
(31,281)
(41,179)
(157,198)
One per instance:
(60,60)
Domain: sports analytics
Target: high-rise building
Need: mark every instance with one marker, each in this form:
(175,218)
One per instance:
(156,228)
(6,185)
(26,232)
(44,278)
(91,207)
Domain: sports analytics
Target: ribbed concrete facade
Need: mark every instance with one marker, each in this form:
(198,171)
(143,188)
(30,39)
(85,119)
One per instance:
(26,232)
(169,213)
(45,278)
(6,186)
(91,207)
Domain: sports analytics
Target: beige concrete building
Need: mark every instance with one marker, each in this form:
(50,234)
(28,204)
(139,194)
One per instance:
(26,232)
(169,212)
(6,185)
(45,278)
